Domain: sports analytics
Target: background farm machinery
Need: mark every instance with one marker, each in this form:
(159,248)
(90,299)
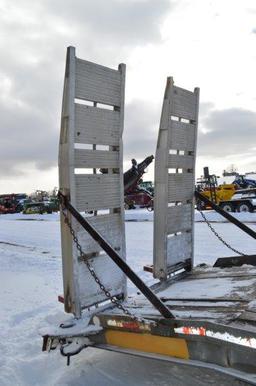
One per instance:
(238,196)
(12,203)
(135,192)
(38,202)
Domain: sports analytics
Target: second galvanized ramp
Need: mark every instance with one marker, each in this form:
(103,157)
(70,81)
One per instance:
(174,181)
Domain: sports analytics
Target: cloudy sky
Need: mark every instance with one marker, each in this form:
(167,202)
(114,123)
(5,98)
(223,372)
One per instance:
(201,43)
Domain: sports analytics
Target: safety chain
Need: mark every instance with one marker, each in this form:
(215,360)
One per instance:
(93,273)
(218,236)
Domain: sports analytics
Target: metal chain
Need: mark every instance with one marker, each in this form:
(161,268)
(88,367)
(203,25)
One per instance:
(93,273)
(218,236)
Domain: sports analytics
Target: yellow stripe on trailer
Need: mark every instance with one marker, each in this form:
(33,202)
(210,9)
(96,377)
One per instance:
(174,347)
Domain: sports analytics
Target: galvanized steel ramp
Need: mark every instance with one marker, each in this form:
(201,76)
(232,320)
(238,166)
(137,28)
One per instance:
(91,140)
(174,181)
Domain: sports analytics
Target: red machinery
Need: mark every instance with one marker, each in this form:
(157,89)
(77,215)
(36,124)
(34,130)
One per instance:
(7,203)
(10,203)
(135,195)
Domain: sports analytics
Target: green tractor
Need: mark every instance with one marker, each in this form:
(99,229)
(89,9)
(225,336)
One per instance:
(37,208)
(54,204)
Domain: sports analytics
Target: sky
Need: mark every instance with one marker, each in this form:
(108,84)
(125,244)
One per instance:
(201,43)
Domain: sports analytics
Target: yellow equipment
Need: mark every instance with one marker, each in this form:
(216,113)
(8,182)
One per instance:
(208,187)
(220,193)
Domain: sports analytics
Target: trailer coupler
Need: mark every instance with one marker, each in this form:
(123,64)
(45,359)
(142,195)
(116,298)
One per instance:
(68,346)
(73,347)
(71,337)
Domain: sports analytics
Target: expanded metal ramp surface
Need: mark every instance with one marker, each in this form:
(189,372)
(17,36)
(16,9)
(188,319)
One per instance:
(174,180)
(91,139)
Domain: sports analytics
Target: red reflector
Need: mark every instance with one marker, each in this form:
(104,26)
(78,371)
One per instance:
(61,299)
(148,268)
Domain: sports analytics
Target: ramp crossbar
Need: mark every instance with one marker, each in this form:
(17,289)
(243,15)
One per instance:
(146,291)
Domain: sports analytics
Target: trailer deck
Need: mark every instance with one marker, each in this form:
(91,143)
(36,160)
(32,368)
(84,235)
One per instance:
(214,324)
(207,293)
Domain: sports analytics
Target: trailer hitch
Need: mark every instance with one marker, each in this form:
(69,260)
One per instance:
(73,348)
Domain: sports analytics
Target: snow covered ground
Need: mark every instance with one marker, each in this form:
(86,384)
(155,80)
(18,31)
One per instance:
(132,216)
(31,280)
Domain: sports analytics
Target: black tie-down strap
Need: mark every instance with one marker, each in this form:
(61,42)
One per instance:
(135,279)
